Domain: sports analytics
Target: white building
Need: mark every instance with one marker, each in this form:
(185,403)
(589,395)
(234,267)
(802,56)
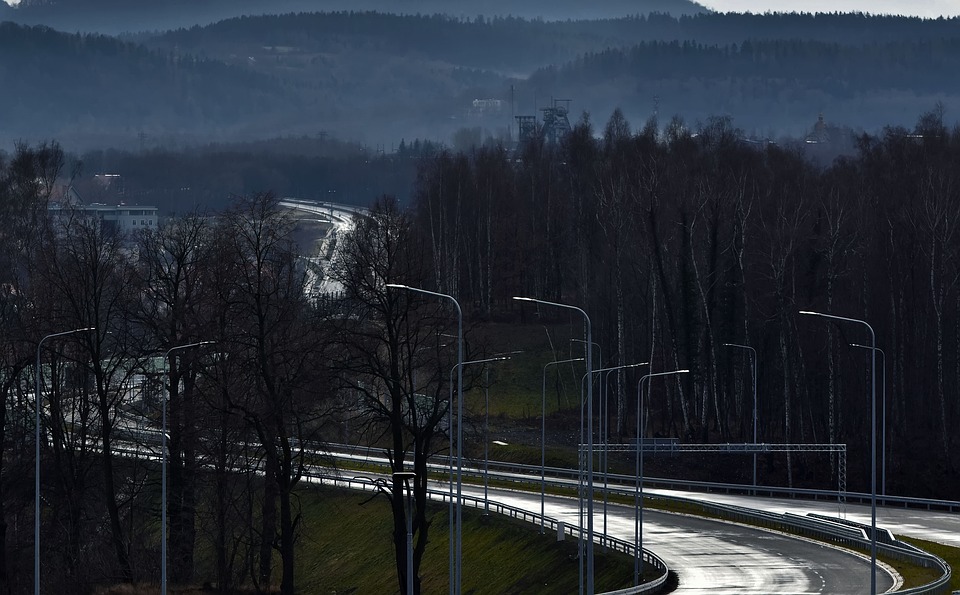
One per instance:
(124,219)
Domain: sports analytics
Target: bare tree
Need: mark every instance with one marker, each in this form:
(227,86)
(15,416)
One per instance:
(392,340)
(173,262)
(26,182)
(278,341)
(90,283)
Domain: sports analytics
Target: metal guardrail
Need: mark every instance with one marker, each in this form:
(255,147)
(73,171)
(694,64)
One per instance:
(612,543)
(829,529)
(842,532)
(708,486)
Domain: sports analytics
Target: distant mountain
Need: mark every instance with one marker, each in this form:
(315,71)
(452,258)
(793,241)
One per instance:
(119,16)
(768,87)
(98,88)
(378,78)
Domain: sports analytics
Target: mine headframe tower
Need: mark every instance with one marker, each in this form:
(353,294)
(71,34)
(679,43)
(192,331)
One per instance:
(556,125)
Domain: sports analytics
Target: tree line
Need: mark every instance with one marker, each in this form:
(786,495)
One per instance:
(250,397)
(678,241)
(207,319)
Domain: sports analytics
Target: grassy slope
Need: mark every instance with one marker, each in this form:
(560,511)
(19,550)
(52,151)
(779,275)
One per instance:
(950,554)
(347,535)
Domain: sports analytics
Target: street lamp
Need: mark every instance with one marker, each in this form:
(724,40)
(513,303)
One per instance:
(754,353)
(405,477)
(543,436)
(486,420)
(873,440)
(589,339)
(604,407)
(459,367)
(38,402)
(638,494)
(163,472)
(883,418)
(454,570)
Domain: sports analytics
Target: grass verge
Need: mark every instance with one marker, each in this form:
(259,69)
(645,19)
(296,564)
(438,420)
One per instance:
(951,556)
(347,548)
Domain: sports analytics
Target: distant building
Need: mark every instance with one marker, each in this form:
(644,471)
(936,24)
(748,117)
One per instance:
(481,108)
(120,218)
(123,218)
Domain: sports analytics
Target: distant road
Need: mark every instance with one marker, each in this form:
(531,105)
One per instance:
(337,221)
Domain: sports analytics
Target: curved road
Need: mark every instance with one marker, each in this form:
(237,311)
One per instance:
(717,557)
(931,525)
(720,558)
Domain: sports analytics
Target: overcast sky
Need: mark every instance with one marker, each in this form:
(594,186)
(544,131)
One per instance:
(920,8)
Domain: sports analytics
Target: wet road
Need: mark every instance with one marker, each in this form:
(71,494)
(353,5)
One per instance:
(721,558)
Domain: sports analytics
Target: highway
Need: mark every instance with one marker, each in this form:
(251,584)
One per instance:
(716,557)
(931,525)
(711,556)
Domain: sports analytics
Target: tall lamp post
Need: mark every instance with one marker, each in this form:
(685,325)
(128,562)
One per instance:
(405,477)
(455,574)
(543,436)
(589,339)
(873,440)
(38,403)
(883,417)
(486,423)
(599,363)
(754,354)
(638,494)
(603,404)
(455,567)
(163,471)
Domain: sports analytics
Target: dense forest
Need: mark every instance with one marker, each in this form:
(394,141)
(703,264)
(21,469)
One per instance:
(767,87)
(676,244)
(378,78)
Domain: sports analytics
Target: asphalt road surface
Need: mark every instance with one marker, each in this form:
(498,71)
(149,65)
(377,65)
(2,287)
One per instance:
(721,558)
(932,525)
